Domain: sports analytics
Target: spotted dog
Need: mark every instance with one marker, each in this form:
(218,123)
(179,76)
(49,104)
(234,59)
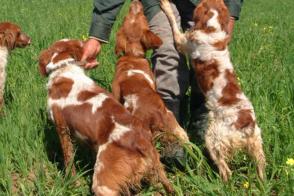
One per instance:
(232,122)
(80,108)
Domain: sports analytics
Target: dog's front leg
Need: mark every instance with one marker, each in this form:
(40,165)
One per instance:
(64,137)
(179,37)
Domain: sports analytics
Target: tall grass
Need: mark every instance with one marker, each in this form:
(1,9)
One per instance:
(262,51)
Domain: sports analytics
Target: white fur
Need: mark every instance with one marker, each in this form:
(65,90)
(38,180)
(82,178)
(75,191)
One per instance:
(138,71)
(81,83)
(104,190)
(80,136)
(118,131)
(64,40)
(131,102)
(53,66)
(3,63)
(213,21)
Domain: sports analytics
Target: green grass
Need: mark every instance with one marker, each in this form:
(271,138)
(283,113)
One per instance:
(262,51)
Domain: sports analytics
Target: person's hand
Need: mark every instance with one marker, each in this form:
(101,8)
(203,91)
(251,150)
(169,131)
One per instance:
(90,51)
(231,28)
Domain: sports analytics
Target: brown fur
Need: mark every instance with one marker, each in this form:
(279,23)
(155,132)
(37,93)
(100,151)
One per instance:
(126,158)
(134,38)
(12,37)
(202,14)
(206,73)
(149,107)
(61,88)
(244,120)
(231,90)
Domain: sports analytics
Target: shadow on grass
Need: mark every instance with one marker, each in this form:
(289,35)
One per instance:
(84,158)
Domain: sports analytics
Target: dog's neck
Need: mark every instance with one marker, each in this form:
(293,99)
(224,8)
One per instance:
(65,66)
(3,56)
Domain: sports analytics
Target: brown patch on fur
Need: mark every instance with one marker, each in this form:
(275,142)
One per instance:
(202,14)
(85,95)
(61,87)
(221,45)
(231,90)
(244,119)
(206,73)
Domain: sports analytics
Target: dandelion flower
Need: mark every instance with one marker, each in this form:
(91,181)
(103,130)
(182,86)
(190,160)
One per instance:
(290,161)
(246,185)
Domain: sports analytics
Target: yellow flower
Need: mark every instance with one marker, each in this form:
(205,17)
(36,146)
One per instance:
(84,38)
(290,161)
(246,185)
(239,80)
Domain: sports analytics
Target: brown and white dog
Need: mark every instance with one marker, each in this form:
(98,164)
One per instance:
(232,122)
(134,84)
(11,37)
(79,107)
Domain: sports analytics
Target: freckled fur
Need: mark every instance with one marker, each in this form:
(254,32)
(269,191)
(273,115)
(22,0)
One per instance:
(232,123)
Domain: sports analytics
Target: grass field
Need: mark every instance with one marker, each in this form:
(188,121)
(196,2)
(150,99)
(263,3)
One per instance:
(263,54)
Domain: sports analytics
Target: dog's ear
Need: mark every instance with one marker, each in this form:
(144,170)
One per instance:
(7,39)
(76,52)
(44,60)
(121,42)
(150,40)
(224,17)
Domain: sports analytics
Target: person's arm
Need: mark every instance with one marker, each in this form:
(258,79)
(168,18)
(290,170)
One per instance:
(104,15)
(234,7)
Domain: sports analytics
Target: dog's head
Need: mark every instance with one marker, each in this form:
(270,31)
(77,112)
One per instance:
(60,53)
(211,16)
(134,37)
(12,37)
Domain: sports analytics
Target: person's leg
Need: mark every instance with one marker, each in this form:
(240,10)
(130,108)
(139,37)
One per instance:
(198,111)
(170,69)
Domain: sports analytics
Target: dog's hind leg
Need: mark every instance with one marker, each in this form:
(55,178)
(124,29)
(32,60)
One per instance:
(64,137)
(172,125)
(160,173)
(106,176)
(220,161)
(256,151)
(218,151)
